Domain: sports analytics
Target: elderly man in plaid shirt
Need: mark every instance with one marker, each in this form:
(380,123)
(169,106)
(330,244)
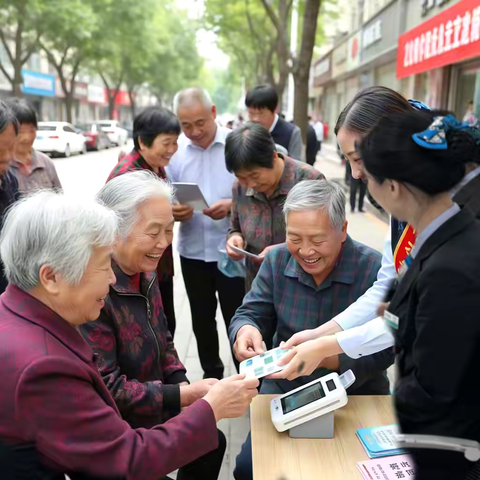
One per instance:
(302,284)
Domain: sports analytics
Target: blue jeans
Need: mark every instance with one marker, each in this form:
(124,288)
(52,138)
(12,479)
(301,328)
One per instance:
(244,466)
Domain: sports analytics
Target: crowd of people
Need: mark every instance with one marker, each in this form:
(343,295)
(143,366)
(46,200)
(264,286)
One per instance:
(93,387)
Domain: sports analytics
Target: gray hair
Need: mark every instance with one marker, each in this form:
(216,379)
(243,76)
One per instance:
(124,195)
(7,117)
(317,195)
(192,95)
(54,229)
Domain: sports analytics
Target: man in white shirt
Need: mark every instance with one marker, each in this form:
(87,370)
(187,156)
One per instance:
(200,159)
(319,132)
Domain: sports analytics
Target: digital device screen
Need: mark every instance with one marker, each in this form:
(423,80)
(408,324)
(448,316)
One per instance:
(302,398)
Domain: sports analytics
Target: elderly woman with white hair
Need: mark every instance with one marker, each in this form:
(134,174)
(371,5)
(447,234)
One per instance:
(56,415)
(136,355)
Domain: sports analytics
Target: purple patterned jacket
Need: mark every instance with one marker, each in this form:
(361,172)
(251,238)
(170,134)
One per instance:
(136,355)
(53,399)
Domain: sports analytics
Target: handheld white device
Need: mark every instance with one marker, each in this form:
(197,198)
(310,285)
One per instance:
(310,401)
(263,365)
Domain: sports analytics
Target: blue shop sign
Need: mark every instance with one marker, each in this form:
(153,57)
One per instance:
(38,84)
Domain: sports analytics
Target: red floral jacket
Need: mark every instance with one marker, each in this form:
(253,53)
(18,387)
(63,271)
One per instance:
(53,400)
(136,355)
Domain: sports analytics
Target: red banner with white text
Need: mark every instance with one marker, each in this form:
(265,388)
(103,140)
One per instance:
(449,37)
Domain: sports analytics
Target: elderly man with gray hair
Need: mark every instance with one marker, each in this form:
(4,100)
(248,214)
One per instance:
(200,159)
(318,273)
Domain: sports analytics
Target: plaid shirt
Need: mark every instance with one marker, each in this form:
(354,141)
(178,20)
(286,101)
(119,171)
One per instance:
(259,218)
(284,300)
(129,163)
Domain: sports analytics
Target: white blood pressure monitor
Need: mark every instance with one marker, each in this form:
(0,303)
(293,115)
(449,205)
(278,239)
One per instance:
(310,401)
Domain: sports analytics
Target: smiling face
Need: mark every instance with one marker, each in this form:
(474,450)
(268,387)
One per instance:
(141,250)
(198,123)
(160,152)
(261,179)
(349,142)
(81,303)
(25,138)
(313,242)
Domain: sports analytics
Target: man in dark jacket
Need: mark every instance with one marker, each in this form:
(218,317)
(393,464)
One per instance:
(8,181)
(262,106)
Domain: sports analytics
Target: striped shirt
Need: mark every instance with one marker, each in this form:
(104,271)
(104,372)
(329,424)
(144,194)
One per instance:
(284,300)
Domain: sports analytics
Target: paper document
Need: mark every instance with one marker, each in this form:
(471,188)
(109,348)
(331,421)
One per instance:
(388,468)
(190,194)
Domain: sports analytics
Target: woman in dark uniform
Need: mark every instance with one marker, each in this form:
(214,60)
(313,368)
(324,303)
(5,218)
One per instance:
(413,160)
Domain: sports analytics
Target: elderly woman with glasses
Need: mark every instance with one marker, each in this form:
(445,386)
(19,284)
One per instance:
(56,415)
(137,357)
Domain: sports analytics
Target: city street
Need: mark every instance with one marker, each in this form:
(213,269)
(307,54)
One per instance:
(86,174)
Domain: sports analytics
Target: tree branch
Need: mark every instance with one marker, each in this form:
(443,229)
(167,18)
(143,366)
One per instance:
(31,49)
(271,14)
(7,49)
(7,76)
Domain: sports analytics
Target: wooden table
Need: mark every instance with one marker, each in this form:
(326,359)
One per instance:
(276,456)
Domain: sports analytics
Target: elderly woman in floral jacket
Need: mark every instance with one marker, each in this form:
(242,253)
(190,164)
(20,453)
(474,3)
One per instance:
(136,355)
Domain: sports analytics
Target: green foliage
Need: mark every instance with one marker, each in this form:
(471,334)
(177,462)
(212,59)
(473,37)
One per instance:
(245,34)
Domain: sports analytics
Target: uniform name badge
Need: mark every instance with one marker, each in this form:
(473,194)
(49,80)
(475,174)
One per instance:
(391,320)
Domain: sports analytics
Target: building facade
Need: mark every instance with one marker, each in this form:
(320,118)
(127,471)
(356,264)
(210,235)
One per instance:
(425,49)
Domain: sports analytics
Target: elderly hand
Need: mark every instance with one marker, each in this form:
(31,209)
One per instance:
(237,241)
(231,397)
(249,343)
(191,393)
(219,210)
(307,357)
(262,254)
(182,212)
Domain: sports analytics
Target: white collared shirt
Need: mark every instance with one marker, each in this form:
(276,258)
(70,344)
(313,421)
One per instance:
(201,236)
(274,124)
(363,332)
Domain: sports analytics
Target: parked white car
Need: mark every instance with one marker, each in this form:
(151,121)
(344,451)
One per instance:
(59,138)
(116,134)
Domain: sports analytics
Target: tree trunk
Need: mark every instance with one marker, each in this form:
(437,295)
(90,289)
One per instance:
(302,65)
(131,96)
(69,101)
(280,22)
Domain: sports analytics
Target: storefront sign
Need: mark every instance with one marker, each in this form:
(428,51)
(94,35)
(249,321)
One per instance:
(428,5)
(38,84)
(449,37)
(322,71)
(353,51)
(372,34)
(122,98)
(81,91)
(96,94)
